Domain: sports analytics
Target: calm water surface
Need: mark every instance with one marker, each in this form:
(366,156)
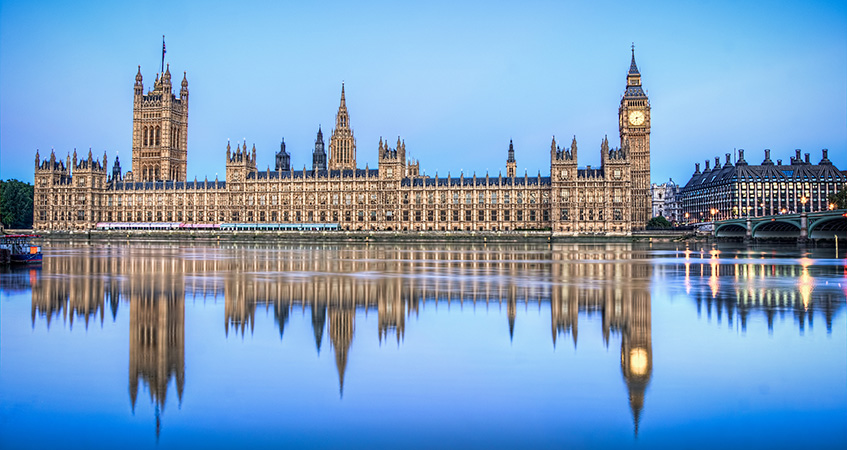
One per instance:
(422,346)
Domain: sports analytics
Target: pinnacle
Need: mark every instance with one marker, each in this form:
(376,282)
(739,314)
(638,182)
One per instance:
(633,68)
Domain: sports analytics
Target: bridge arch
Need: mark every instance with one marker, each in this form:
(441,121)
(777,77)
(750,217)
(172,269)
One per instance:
(731,230)
(776,229)
(829,228)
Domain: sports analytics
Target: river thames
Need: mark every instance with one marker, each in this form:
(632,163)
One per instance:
(424,346)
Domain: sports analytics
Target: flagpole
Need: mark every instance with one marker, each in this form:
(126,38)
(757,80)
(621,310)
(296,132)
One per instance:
(163,54)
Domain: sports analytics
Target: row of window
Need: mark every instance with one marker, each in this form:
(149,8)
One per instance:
(532,215)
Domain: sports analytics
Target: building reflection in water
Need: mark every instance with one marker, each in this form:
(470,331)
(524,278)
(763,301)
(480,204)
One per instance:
(613,281)
(336,282)
(735,287)
(84,286)
(156,329)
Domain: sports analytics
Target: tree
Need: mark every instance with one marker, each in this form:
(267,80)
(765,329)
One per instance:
(839,198)
(658,222)
(16,204)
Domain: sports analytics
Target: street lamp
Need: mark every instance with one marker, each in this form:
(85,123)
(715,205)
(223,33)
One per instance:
(831,206)
(803,200)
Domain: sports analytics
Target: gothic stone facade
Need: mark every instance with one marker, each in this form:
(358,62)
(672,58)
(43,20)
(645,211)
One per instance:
(613,199)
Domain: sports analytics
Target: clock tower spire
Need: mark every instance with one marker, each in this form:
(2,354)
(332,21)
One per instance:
(634,123)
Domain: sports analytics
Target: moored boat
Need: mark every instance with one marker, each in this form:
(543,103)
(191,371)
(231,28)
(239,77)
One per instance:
(20,248)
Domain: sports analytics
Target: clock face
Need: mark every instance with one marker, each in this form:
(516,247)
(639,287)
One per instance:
(636,117)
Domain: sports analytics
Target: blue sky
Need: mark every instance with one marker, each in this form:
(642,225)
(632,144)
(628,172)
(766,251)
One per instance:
(456,80)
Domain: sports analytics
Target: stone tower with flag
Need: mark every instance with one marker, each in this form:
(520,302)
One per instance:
(160,129)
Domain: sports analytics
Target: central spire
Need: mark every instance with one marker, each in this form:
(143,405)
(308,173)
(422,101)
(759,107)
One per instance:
(342,145)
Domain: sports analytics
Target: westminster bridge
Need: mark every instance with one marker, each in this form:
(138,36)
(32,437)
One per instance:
(830,224)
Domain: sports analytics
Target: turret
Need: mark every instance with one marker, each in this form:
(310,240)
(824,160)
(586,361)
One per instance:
(116,170)
(240,164)
(183,92)
(283,159)
(511,164)
(166,79)
(139,86)
(392,162)
(573,149)
(319,154)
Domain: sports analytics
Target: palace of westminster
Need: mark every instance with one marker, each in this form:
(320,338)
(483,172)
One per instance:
(81,193)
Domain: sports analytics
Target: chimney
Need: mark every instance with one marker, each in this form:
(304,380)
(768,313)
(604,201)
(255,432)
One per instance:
(825,159)
(797,155)
(696,168)
(778,162)
(727,159)
(717,162)
(707,164)
(807,159)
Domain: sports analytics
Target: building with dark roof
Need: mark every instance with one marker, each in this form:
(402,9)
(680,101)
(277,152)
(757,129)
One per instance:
(740,189)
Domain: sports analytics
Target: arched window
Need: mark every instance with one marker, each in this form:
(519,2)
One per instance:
(158,136)
(145,136)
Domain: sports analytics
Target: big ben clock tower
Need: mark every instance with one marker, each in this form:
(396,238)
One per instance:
(634,117)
